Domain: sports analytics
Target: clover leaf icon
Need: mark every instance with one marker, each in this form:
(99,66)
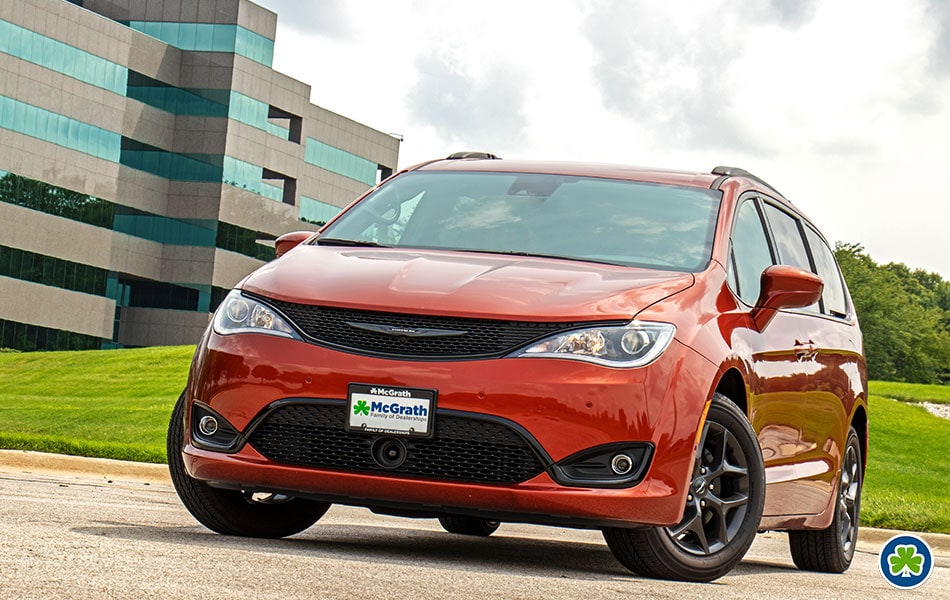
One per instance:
(361,408)
(906,562)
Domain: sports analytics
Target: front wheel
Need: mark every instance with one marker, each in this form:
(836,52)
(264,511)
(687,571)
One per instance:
(831,550)
(723,507)
(229,512)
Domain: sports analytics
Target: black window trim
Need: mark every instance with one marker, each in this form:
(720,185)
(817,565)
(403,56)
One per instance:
(803,222)
(849,307)
(801,234)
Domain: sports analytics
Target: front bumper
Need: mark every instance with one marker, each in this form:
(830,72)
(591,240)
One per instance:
(564,407)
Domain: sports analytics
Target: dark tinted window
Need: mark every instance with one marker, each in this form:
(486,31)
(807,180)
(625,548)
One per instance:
(788,238)
(788,242)
(750,252)
(833,298)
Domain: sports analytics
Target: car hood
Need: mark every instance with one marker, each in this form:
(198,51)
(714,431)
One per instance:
(476,285)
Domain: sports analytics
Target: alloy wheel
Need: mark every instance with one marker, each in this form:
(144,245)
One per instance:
(848,491)
(718,494)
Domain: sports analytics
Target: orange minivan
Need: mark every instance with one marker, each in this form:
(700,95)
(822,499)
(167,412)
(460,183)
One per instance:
(670,357)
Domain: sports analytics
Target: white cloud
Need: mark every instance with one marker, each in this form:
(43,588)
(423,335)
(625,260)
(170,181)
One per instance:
(840,103)
(487,110)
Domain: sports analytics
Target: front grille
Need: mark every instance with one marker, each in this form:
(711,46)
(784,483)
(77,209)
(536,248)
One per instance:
(482,338)
(462,449)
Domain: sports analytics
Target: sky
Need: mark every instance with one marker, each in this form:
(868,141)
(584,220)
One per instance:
(843,106)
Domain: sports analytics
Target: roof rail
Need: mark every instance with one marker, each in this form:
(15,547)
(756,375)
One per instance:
(484,155)
(724,172)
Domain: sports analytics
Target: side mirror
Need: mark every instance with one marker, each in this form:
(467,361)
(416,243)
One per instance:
(289,241)
(783,286)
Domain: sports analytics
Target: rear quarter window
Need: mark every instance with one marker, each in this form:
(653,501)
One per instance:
(834,299)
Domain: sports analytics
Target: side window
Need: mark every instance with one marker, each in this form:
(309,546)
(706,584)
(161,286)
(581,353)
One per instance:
(750,252)
(789,242)
(788,238)
(833,298)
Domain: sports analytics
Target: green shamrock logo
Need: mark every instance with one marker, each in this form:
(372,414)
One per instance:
(362,407)
(906,562)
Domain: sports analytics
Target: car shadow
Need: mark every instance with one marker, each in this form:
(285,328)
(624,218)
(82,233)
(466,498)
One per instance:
(417,547)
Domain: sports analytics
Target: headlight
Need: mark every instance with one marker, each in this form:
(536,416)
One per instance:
(238,314)
(635,344)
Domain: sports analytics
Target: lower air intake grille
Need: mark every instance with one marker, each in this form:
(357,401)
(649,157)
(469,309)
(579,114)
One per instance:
(462,449)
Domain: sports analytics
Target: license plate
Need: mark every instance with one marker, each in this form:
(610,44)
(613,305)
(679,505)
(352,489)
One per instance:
(390,410)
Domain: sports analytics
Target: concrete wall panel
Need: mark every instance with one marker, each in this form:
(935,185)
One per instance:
(56,308)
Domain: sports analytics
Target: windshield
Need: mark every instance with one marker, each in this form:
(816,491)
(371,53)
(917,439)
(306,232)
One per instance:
(576,218)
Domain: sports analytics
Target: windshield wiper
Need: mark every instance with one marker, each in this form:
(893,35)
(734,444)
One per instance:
(522,253)
(540,255)
(344,242)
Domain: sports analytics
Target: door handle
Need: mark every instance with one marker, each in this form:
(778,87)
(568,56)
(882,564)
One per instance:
(805,350)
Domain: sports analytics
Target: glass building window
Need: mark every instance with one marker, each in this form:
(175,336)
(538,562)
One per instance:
(210,37)
(89,139)
(53,200)
(59,129)
(156,294)
(244,241)
(26,337)
(164,230)
(316,212)
(60,57)
(55,272)
(250,177)
(200,102)
(171,165)
(248,110)
(261,115)
(340,162)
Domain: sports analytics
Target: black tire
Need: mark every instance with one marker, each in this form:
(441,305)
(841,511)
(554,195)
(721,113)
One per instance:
(468,525)
(831,550)
(722,513)
(233,512)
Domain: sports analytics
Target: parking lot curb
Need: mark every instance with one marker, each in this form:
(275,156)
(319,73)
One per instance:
(939,542)
(107,469)
(104,468)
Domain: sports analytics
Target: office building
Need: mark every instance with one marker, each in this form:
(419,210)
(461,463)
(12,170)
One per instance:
(147,149)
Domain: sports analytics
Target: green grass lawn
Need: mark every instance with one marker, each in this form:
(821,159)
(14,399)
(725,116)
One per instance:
(109,403)
(116,404)
(908,476)
(910,392)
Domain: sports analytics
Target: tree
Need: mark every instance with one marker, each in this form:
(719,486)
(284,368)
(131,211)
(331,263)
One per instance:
(904,314)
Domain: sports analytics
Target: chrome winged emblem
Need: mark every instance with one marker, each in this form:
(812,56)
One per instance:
(406,331)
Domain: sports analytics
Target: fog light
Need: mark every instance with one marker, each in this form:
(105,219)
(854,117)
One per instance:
(208,425)
(621,464)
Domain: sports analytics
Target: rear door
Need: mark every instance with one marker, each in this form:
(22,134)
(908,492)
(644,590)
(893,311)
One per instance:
(838,357)
(824,354)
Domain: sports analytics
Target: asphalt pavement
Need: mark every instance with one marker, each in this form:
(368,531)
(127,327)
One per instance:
(86,528)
